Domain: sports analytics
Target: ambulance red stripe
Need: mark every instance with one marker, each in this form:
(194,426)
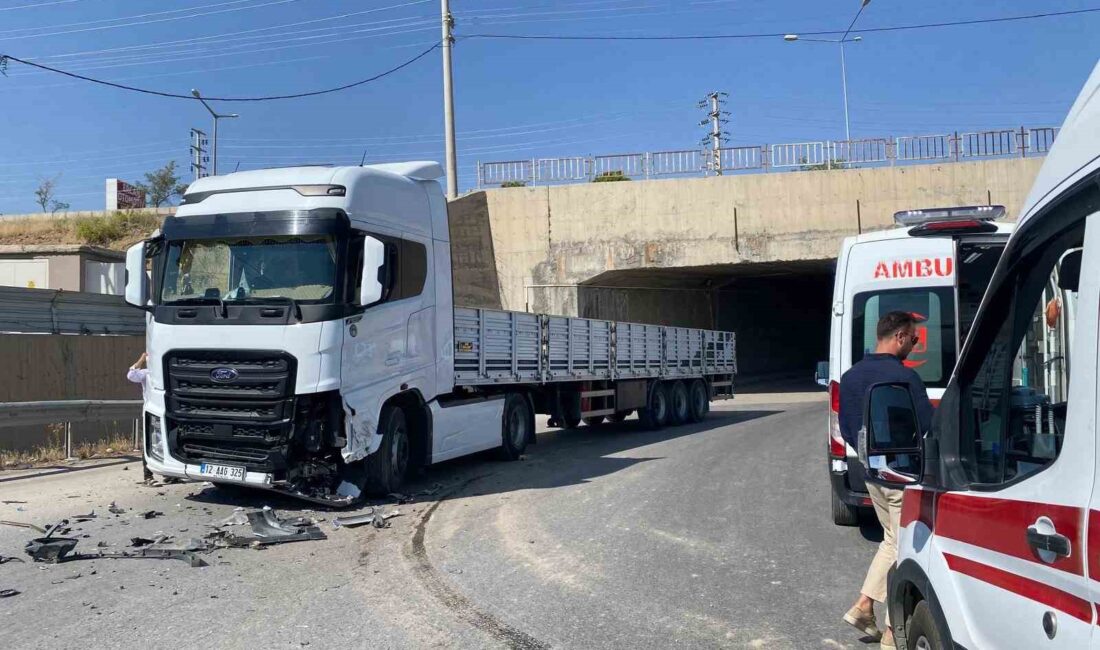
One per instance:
(1001,525)
(1041,593)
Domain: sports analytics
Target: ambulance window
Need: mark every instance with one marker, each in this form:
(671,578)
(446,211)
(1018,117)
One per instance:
(934,356)
(1014,405)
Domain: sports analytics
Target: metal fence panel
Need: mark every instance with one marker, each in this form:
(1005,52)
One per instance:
(872,150)
(739,158)
(1041,139)
(668,163)
(798,154)
(498,173)
(550,170)
(630,164)
(987,144)
(924,147)
(49,311)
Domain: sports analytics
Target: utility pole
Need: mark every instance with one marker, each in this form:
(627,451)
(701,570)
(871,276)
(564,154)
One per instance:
(449,101)
(715,118)
(198,154)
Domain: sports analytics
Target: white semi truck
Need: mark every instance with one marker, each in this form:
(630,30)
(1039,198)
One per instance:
(302,337)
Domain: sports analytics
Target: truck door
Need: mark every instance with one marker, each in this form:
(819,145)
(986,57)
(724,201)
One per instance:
(1010,560)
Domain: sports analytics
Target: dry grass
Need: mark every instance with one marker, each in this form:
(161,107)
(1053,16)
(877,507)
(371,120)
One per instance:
(117,230)
(54,451)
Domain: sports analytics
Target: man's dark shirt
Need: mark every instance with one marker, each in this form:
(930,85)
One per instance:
(873,369)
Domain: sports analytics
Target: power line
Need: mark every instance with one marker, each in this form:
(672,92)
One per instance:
(701,37)
(40,4)
(4,58)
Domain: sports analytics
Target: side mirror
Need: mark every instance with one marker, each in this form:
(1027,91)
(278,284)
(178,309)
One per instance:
(891,444)
(137,282)
(372,283)
(1069,271)
(821,375)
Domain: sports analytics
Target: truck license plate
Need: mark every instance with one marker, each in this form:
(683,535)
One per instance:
(221,472)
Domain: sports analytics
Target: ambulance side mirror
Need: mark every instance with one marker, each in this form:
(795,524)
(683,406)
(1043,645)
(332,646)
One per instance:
(137,282)
(373,281)
(891,444)
(1069,271)
(821,374)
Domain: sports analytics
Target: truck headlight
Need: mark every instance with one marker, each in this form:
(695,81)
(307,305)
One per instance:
(154,438)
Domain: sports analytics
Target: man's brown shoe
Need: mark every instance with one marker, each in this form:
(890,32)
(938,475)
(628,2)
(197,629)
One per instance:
(864,622)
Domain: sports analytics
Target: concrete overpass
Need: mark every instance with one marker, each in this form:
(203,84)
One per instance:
(753,253)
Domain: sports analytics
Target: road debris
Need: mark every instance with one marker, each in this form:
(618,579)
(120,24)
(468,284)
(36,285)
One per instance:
(138,542)
(87,517)
(267,526)
(22,524)
(238,518)
(115,510)
(8,593)
(400,498)
(9,502)
(152,514)
(4,559)
(50,549)
(354,520)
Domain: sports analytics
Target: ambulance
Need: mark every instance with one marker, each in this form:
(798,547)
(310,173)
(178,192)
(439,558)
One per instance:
(999,535)
(936,264)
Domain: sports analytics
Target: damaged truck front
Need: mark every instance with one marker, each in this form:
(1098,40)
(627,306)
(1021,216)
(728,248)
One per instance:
(302,337)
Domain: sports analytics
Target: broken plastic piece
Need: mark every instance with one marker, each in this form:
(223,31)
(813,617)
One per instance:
(8,593)
(4,559)
(79,518)
(138,542)
(47,549)
(115,510)
(21,524)
(354,520)
(152,554)
(152,514)
(238,518)
(267,526)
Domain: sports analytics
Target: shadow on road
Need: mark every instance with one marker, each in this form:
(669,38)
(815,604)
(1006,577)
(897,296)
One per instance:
(559,458)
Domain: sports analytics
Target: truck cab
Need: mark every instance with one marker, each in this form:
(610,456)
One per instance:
(999,536)
(935,265)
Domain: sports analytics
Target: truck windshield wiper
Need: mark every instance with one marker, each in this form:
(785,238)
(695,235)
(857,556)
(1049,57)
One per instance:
(200,300)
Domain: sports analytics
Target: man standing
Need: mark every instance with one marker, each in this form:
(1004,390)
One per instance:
(139,374)
(897,335)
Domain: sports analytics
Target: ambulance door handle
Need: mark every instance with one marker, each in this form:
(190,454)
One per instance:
(1051,542)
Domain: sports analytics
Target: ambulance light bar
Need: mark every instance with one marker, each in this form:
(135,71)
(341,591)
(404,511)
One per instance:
(965,213)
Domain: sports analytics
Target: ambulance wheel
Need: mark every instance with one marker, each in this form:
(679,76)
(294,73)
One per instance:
(516,429)
(655,414)
(844,514)
(680,409)
(698,400)
(593,420)
(921,631)
(386,468)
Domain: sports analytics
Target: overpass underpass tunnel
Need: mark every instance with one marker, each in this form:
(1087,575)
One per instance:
(780,311)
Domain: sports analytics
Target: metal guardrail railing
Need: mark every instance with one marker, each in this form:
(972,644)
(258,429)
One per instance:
(824,154)
(50,311)
(14,414)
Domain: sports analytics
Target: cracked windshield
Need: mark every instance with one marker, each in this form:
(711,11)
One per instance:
(301,268)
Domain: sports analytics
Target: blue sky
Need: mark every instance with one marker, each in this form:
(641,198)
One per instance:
(515,99)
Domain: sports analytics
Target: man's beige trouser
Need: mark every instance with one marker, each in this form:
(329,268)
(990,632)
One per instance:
(887,503)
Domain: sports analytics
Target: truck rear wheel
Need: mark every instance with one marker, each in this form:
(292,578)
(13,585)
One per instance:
(515,429)
(680,410)
(387,467)
(844,514)
(698,400)
(655,414)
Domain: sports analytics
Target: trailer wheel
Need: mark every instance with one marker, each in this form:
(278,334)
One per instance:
(593,420)
(386,467)
(680,409)
(655,414)
(698,400)
(515,430)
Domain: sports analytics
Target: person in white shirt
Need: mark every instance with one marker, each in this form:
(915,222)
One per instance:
(139,374)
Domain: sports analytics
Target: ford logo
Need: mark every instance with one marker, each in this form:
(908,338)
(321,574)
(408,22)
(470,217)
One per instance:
(224,375)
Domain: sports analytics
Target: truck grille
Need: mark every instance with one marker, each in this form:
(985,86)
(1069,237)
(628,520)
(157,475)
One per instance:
(230,406)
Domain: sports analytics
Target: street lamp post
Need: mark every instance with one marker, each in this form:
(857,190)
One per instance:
(216,117)
(790,38)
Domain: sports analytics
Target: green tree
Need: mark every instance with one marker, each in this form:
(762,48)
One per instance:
(610,177)
(161,185)
(513,184)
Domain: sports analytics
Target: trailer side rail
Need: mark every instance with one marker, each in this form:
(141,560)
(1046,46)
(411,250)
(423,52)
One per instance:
(497,347)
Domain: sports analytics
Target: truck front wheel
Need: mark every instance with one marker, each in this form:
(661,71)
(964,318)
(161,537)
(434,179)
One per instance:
(386,467)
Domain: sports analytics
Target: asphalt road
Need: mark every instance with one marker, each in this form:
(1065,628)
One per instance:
(708,535)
